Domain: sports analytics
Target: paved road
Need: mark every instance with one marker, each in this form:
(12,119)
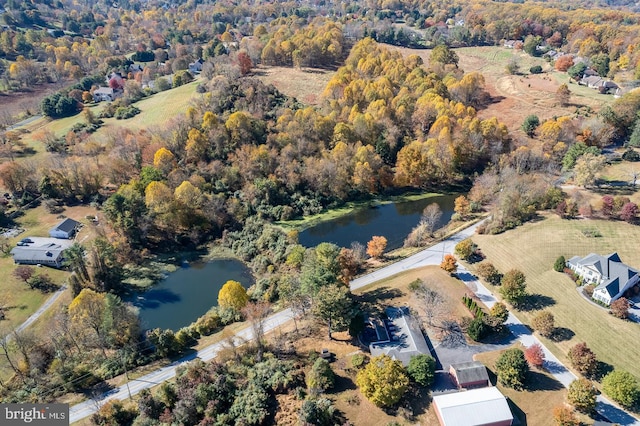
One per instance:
(603,406)
(87,408)
(24,122)
(431,256)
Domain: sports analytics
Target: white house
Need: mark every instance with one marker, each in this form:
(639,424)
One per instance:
(41,251)
(105,94)
(611,276)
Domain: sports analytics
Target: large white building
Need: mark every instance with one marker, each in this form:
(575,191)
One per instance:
(611,276)
(478,407)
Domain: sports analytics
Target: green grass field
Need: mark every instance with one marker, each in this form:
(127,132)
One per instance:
(156,111)
(533,248)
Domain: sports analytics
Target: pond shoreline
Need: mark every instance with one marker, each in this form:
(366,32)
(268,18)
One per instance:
(348,208)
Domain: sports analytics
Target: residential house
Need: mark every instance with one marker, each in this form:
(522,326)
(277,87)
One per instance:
(469,375)
(196,67)
(135,68)
(510,44)
(612,277)
(105,94)
(401,337)
(478,407)
(66,229)
(43,252)
(591,81)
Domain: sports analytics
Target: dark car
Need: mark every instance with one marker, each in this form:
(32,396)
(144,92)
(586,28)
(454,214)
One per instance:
(26,240)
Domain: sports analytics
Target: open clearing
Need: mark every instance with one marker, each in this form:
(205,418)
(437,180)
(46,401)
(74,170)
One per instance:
(516,96)
(533,248)
(304,84)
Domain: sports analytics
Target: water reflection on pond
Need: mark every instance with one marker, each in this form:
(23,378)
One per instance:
(393,221)
(188,293)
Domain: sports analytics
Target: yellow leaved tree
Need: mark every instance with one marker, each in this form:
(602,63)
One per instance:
(232,296)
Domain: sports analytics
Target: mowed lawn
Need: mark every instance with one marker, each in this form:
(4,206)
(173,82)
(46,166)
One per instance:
(155,112)
(534,247)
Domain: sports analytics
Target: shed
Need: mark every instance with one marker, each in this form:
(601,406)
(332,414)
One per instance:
(478,407)
(65,229)
(469,375)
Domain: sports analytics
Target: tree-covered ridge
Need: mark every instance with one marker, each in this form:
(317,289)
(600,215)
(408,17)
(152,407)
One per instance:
(244,149)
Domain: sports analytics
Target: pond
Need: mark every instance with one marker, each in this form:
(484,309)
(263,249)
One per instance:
(185,295)
(393,221)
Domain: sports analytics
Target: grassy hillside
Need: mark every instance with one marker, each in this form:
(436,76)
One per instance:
(534,247)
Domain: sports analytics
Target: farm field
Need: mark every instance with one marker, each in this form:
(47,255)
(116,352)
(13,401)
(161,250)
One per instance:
(533,247)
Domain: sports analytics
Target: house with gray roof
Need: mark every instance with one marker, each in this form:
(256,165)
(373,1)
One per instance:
(66,229)
(612,277)
(44,251)
(402,336)
(469,375)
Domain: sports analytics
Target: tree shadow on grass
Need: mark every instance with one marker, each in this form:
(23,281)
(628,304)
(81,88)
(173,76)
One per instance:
(373,301)
(537,381)
(534,302)
(602,370)
(561,334)
(342,384)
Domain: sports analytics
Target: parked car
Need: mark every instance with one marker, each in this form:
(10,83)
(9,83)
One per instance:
(26,240)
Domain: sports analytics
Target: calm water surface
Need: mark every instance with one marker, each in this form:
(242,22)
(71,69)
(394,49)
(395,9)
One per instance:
(185,295)
(393,221)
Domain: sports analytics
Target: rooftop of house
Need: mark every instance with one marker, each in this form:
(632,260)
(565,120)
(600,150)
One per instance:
(614,272)
(67,225)
(406,338)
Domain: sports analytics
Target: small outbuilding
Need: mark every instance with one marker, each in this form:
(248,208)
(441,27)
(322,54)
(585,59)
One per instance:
(478,407)
(66,229)
(469,375)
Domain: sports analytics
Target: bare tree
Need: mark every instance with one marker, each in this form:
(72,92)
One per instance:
(256,313)
(431,303)
(431,216)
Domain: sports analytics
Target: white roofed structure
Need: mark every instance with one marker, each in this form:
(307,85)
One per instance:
(478,407)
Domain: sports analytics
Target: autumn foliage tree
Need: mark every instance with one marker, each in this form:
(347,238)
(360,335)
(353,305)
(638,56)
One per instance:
(583,359)
(582,395)
(620,308)
(375,247)
(232,295)
(565,416)
(544,323)
(513,286)
(534,355)
(383,381)
(24,273)
(449,263)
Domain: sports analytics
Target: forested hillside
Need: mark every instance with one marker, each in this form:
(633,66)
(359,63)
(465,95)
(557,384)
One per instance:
(241,155)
